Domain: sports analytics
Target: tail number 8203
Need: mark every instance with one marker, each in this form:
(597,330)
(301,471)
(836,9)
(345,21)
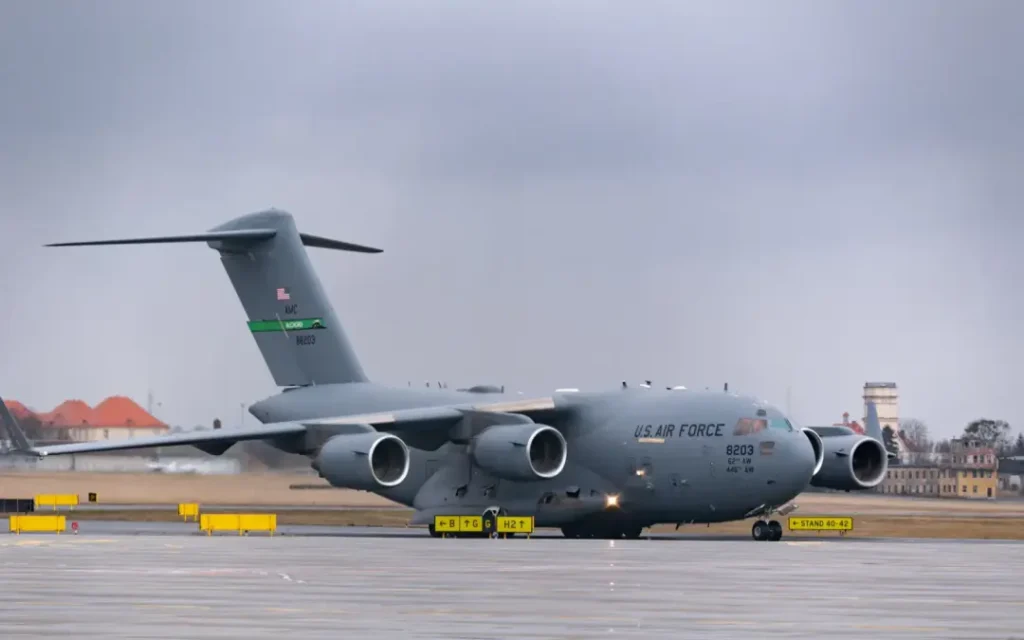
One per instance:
(739,450)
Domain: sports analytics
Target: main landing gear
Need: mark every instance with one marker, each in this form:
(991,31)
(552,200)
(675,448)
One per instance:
(770,530)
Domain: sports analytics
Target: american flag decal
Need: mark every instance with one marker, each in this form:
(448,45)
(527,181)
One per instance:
(282,293)
(767,447)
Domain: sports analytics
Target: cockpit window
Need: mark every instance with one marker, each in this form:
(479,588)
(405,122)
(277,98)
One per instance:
(749,426)
(780,423)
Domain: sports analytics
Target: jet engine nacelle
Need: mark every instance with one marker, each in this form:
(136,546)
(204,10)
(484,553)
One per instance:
(522,452)
(818,446)
(852,463)
(366,461)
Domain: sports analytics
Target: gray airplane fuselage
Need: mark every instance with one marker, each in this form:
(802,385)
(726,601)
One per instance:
(668,456)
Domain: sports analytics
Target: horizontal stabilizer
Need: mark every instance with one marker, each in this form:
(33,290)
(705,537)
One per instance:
(244,236)
(249,235)
(327,243)
(209,440)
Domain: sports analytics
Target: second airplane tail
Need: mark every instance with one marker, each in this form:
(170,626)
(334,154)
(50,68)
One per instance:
(290,317)
(873,428)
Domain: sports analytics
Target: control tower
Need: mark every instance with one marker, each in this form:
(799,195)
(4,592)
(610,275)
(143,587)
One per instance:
(887,401)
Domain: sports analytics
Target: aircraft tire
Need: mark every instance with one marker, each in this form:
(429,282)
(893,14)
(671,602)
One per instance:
(760,531)
(632,533)
(571,531)
(774,531)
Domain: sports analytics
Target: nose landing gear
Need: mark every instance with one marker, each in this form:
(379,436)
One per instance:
(770,530)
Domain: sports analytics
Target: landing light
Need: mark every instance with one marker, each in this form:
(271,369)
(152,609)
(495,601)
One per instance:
(610,502)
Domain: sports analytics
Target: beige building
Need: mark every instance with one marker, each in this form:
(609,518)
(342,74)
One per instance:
(970,471)
(916,481)
(887,401)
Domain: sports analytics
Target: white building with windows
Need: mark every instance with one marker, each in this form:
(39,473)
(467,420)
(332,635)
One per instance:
(887,402)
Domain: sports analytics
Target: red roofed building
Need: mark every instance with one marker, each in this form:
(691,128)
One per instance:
(17,409)
(852,425)
(68,414)
(115,417)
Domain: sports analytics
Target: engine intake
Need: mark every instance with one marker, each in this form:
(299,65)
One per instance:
(520,452)
(817,446)
(852,463)
(366,461)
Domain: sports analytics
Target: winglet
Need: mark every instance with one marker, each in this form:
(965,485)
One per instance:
(873,428)
(18,439)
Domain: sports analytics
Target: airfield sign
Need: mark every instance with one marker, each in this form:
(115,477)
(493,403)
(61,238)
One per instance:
(841,524)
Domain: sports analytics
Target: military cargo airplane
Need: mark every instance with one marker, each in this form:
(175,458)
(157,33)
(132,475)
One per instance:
(594,464)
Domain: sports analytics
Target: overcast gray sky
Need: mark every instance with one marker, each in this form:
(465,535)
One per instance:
(803,195)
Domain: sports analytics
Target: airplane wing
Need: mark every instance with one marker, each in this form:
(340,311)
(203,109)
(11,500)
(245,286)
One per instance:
(430,427)
(438,416)
(213,441)
(17,437)
(422,427)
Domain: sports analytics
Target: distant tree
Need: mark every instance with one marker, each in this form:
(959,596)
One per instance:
(915,434)
(216,424)
(994,433)
(943,446)
(890,440)
(1018,446)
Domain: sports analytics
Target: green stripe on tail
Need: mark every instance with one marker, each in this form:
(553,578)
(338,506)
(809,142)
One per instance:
(300,324)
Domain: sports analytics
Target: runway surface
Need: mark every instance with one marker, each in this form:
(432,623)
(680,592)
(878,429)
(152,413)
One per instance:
(129,528)
(97,585)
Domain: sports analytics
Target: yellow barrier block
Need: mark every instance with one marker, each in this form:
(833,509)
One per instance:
(515,524)
(38,524)
(257,522)
(821,523)
(54,500)
(188,510)
(241,522)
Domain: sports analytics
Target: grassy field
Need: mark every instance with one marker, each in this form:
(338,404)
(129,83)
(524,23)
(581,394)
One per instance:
(171,488)
(874,515)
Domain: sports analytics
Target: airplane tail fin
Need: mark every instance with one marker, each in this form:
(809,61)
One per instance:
(873,428)
(290,317)
(19,442)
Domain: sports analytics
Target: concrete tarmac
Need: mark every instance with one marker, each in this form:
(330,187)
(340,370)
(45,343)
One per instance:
(130,528)
(96,585)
